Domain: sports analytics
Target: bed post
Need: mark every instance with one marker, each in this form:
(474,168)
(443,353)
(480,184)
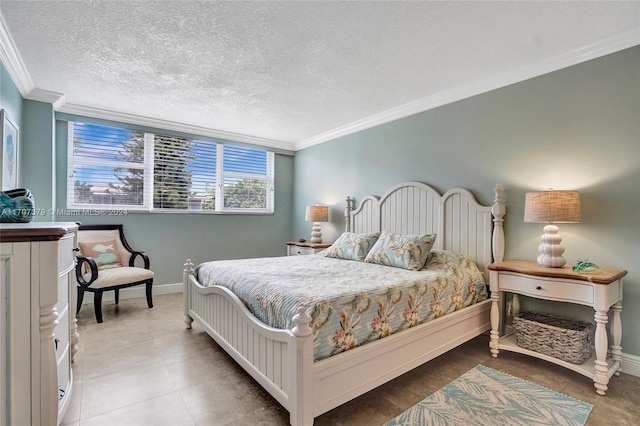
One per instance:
(301,410)
(497,245)
(186,293)
(347,215)
(498,210)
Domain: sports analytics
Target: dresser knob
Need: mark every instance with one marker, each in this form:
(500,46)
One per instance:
(538,288)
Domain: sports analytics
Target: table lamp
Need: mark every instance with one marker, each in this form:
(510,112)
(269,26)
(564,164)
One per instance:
(316,214)
(552,207)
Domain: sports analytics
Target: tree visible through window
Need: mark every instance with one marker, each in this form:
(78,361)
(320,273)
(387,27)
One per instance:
(131,181)
(171,174)
(112,167)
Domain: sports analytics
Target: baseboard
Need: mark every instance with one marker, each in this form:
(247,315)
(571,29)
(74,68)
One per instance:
(133,292)
(631,364)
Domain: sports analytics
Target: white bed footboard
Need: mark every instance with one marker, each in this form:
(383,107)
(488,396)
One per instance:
(280,360)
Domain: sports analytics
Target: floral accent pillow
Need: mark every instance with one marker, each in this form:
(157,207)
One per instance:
(402,251)
(105,253)
(352,246)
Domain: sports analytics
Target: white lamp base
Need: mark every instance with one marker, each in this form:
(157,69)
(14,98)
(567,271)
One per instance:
(316,233)
(551,249)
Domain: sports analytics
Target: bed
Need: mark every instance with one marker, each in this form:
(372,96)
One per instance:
(285,361)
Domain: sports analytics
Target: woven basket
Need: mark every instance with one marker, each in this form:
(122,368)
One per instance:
(562,338)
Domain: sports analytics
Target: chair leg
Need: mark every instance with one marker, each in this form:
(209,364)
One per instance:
(148,291)
(80,297)
(117,290)
(97,305)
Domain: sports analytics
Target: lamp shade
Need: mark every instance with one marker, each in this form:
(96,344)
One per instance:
(552,207)
(317,214)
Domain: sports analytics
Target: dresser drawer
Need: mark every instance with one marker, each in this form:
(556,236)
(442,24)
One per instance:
(63,292)
(545,288)
(61,334)
(65,254)
(64,379)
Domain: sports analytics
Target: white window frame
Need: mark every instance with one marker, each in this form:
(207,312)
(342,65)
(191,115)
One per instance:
(148,168)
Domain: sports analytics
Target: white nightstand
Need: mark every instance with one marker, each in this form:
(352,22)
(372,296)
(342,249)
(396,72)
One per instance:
(601,291)
(297,248)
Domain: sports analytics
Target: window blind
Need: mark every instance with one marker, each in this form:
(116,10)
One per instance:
(121,168)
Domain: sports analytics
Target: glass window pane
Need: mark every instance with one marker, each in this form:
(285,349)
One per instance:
(203,175)
(91,141)
(184,173)
(245,193)
(239,159)
(107,185)
(171,177)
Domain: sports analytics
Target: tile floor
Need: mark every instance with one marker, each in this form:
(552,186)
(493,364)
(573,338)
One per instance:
(143,367)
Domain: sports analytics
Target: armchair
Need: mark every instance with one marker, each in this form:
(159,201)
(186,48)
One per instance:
(106,262)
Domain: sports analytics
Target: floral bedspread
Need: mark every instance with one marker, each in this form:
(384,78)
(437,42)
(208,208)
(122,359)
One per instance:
(350,302)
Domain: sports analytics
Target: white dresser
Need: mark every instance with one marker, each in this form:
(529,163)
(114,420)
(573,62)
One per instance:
(39,330)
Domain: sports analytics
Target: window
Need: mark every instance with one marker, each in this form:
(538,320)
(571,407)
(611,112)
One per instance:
(118,168)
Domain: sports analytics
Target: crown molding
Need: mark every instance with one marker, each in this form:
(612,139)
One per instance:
(13,62)
(600,48)
(54,98)
(171,125)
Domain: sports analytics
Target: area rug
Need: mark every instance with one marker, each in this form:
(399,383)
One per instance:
(483,396)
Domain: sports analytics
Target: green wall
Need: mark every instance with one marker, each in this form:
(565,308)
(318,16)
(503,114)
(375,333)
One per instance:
(38,161)
(11,101)
(36,150)
(577,128)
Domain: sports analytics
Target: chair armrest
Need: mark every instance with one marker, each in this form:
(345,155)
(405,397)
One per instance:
(92,266)
(144,257)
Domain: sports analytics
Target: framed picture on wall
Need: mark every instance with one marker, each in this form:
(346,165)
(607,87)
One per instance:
(9,134)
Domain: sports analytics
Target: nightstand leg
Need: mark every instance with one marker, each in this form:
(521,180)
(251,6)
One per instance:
(601,379)
(616,335)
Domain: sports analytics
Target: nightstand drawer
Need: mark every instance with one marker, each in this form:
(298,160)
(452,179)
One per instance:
(298,251)
(301,248)
(549,289)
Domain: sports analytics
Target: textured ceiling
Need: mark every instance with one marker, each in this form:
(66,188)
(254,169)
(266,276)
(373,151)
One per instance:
(289,71)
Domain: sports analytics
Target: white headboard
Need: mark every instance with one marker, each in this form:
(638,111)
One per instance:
(462,224)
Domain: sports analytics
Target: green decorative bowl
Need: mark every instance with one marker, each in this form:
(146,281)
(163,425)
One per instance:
(586,267)
(17,206)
